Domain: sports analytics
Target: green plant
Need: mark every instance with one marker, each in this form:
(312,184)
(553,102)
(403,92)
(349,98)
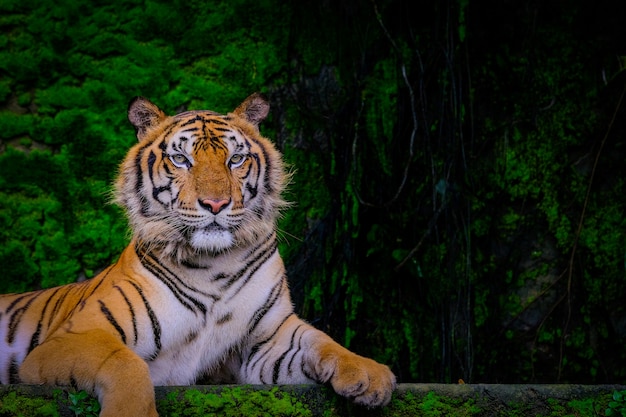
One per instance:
(617,407)
(83,404)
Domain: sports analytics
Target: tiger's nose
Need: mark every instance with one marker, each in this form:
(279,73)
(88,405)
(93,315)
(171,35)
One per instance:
(214,206)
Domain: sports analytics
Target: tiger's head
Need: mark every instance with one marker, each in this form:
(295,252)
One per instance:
(200,182)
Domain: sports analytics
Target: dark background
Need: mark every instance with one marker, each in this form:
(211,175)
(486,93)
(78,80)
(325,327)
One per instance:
(459,165)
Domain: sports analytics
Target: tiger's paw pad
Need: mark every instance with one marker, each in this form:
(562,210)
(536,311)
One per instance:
(365,381)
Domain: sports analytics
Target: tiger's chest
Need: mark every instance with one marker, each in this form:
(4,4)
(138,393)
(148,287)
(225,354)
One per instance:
(208,315)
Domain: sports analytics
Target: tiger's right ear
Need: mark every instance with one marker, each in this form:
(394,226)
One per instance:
(144,114)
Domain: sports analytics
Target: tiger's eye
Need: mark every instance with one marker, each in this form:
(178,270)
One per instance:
(179,160)
(236,160)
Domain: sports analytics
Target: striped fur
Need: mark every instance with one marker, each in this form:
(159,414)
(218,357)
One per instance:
(201,289)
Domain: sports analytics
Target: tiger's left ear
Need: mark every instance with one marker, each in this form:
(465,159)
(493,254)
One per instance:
(144,114)
(254,109)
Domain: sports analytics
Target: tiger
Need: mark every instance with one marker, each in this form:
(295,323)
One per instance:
(200,291)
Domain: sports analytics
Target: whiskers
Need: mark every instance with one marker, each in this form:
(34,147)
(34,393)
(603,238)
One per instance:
(195,219)
(159,231)
(193,235)
(285,236)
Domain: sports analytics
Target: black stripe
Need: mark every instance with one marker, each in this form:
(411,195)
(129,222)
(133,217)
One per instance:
(279,362)
(151,161)
(191,337)
(176,291)
(254,188)
(210,138)
(156,326)
(111,319)
(217,120)
(290,364)
(197,118)
(145,205)
(160,272)
(20,298)
(307,374)
(169,129)
(87,289)
(251,266)
(57,306)
(131,310)
(258,346)
(156,190)
(247,174)
(260,361)
(268,169)
(17,315)
(174,283)
(224,319)
(275,293)
(166,169)
(89,286)
(14,368)
(34,340)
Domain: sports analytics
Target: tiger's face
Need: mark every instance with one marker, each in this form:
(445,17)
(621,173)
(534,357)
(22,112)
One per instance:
(199,181)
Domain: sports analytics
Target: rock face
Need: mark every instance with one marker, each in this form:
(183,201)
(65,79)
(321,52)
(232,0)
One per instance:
(313,400)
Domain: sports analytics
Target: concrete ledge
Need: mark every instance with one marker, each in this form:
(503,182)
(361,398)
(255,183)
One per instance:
(314,400)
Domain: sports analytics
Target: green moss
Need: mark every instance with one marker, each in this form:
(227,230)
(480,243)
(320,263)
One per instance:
(235,401)
(432,405)
(320,401)
(18,405)
(14,125)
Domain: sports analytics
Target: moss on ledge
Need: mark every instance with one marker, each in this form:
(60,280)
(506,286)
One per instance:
(313,400)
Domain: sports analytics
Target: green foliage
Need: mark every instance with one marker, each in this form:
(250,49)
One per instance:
(449,218)
(380,110)
(617,407)
(83,404)
(68,71)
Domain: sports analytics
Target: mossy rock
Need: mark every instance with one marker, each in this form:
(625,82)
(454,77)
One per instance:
(314,400)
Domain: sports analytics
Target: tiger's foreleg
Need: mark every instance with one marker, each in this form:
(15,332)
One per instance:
(96,362)
(299,353)
(364,380)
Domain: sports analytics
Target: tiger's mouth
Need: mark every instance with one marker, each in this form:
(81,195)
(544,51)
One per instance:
(213,237)
(215,226)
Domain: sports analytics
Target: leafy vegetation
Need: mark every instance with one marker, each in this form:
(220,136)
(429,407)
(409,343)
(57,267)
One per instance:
(83,404)
(617,407)
(459,177)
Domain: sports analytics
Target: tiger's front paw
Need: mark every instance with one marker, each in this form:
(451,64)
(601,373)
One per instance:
(365,381)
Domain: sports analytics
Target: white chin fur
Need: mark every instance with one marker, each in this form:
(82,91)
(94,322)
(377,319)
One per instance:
(211,239)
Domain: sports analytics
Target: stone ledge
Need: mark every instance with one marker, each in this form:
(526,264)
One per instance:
(313,400)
